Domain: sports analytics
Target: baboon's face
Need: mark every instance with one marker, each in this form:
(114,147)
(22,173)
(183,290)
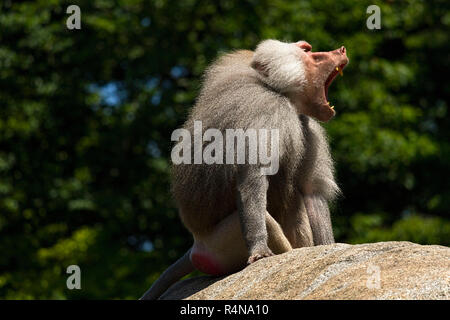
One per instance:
(301,74)
(321,68)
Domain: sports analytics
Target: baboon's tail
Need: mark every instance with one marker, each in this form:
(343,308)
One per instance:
(319,219)
(175,272)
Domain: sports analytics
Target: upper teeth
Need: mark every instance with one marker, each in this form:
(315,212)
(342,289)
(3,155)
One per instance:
(340,71)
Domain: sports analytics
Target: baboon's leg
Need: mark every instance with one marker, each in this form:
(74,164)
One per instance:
(277,240)
(224,250)
(297,228)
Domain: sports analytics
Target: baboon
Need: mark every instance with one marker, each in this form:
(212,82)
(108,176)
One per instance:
(236,214)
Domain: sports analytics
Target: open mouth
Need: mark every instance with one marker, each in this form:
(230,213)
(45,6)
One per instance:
(337,70)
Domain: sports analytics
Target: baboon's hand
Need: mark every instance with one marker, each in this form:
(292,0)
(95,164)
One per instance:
(259,254)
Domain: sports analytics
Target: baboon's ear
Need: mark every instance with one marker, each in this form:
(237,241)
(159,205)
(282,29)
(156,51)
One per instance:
(260,67)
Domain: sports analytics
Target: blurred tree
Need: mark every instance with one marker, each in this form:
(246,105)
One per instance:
(86,117)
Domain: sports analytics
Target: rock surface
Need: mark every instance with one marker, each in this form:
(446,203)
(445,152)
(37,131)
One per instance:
(384,270)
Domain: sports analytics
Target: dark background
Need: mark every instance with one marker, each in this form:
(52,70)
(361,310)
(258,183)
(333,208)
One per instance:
(86,118)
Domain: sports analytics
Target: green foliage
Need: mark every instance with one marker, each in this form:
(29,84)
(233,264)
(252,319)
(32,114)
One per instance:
(86,117)
(424,230)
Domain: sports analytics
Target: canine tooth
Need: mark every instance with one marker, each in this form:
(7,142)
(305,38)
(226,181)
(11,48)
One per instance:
(341,73)
(332,107)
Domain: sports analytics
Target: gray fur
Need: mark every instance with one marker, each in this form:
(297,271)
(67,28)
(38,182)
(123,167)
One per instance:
(235,96)
(246,90)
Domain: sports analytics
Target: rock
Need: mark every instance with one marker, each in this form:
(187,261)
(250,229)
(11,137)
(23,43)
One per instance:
(384,270)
